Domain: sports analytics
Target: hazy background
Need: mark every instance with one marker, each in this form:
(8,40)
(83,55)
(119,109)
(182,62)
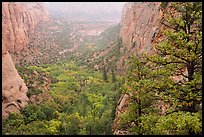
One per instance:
(86,11)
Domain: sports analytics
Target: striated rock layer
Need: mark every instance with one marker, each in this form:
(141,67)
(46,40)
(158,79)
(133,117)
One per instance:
(138,26)
(18,20)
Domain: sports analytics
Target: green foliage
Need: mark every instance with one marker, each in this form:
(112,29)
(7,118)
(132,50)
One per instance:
(30,113)
(81,104)
(33,92)
(14,119)
(49,112)
(183,36)
(159,79)
(163,4)
(71,124)
(140,88)
(180,123)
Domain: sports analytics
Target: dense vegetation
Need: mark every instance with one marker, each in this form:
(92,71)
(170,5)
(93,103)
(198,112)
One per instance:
(164,89)
(94,46)
(82,102)
(170,80)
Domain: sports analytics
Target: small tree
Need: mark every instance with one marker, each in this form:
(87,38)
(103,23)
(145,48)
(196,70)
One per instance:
(105,76)
(138,85)
(113,75)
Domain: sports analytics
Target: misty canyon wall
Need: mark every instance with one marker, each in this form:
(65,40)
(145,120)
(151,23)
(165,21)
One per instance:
(18,20)
(139,24)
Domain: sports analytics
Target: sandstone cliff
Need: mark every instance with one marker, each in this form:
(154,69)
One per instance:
(139,24)
(18,20)
(13,87)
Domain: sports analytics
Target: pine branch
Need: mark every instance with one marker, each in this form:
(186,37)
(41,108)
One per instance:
(166,63)
(181,74)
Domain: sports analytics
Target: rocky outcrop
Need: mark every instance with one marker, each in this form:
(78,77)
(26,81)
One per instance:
(13,87)
(18,20)
(139,25)
(120,109)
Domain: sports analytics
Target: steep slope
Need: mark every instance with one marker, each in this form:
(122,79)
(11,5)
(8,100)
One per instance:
(140,24)
(170,12)
(106,49)
(18,20)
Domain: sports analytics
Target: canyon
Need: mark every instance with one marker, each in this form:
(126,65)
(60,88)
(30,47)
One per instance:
(64,72)
(139,25)
(20,39)
(19,28)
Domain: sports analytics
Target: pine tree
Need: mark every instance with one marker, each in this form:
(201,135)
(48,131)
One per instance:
(138,85)
(163,77)
(180,50)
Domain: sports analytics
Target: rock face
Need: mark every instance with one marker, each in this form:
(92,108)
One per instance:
(138,26)
(13,87)
(120,109)
(18,20)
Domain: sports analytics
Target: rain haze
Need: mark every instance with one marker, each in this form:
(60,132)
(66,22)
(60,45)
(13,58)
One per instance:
(86,11)
(102,68)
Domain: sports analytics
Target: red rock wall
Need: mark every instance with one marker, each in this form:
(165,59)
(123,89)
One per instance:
(139,24)
(13,87)
(18,19)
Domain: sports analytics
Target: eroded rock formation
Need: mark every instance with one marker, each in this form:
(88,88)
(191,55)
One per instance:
(18,20)
(139,24)
(13,87)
